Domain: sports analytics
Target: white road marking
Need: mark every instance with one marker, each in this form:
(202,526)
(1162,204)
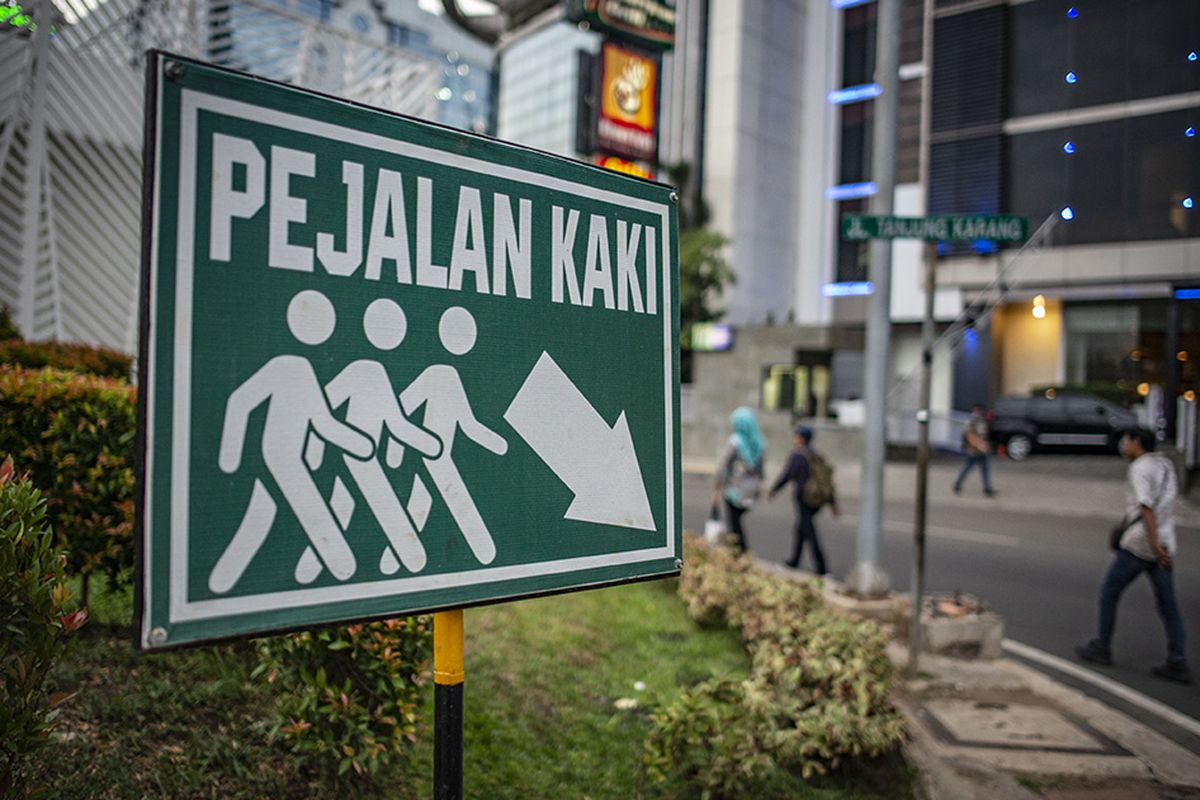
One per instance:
(941,532)
(1132,696)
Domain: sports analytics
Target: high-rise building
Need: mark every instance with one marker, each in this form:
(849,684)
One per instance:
(541,70)
(266,37)
(1081,116)
(71,123)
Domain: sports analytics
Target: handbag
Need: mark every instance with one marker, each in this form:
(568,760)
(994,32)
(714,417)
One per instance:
(1117,531)
(713,526)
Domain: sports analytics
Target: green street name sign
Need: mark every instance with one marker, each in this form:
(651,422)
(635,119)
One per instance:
(962,227)
(388,367)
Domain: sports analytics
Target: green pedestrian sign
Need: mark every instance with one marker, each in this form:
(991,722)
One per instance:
(956,227)
(388,367)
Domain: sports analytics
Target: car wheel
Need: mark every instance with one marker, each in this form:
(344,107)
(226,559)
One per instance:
(1019,447)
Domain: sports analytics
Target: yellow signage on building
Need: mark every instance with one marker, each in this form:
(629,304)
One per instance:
(628,103)
(617,164)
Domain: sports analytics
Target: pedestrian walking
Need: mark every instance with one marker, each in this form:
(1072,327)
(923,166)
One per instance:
(1144,543)
(977,448)
(812,481)
(740,471)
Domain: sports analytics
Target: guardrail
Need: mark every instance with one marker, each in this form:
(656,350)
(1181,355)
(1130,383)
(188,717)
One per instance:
(945,429)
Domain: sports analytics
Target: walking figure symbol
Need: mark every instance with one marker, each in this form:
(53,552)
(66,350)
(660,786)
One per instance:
(447,411)
(296,404)
(300,422)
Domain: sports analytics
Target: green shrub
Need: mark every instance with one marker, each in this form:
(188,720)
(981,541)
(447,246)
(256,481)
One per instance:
(71,357)
(37,619)
(8,328)
(75,433)
(818,692)
(347,699)
(711,580)
(710,738)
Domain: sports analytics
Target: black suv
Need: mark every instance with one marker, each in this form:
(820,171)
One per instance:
(1023,424)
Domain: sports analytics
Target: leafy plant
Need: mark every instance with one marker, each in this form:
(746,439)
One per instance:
(704,272)
(347,699)
(817,695)
(8,328)
(72,357)
(75,433)
(38,618)
(711,739)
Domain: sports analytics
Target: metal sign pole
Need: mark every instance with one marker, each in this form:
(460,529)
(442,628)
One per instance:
(868,579)
(447,705)
(927,338)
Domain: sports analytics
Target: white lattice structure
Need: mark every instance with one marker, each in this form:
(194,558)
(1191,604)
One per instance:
(71,120)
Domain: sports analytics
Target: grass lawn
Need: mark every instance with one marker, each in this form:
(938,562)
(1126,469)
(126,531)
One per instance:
(542,677)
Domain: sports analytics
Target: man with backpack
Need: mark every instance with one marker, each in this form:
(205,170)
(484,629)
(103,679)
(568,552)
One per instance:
(812,478)
(976,447)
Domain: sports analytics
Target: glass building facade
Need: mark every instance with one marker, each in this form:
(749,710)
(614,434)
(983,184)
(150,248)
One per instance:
(329,43)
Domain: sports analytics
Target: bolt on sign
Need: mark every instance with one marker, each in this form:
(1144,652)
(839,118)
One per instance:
(390,367)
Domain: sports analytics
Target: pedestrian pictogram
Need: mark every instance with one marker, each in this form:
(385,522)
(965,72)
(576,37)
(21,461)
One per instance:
(389,367)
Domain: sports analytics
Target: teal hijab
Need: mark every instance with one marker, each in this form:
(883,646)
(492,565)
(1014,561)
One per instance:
(746,435)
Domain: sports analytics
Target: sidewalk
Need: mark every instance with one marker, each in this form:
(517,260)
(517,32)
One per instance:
(1003,731)
(1000,730)
(1023,487)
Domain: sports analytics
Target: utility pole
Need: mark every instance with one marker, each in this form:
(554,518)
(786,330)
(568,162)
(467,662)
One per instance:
(922,499)
(868,578)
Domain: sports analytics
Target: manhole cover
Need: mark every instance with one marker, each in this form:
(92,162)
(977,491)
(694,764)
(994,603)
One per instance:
(1014,725)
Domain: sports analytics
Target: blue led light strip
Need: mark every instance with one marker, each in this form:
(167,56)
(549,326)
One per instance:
(848,289)
(851,191)
(853,94)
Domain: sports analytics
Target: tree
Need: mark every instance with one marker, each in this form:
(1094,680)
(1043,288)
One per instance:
(704,271)
(703,274)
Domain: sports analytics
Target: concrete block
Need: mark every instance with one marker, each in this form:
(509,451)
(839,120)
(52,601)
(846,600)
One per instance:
(977,634)
(886,610)
(972,636)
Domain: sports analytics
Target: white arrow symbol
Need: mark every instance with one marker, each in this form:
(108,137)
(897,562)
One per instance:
(597,463)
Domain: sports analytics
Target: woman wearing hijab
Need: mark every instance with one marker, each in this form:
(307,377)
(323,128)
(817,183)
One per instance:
(740,471)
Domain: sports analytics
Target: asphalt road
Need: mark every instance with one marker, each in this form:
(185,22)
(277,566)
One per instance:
(1041,573)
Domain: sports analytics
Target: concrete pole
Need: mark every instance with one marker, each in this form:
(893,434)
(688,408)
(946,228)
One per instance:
(35,161)
(868,579)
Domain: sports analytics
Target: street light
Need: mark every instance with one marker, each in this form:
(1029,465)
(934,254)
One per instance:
(492,20)
(1039,307)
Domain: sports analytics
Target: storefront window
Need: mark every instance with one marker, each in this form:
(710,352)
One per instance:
(1112,348)
(1099,341)
(803,390)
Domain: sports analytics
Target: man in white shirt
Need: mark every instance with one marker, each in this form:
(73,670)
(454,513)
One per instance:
(1147,545)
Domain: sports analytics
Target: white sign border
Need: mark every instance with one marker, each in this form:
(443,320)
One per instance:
(181,609)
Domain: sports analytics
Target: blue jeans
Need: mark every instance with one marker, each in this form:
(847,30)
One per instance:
(980,460)
(807,532)
(1125,568)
